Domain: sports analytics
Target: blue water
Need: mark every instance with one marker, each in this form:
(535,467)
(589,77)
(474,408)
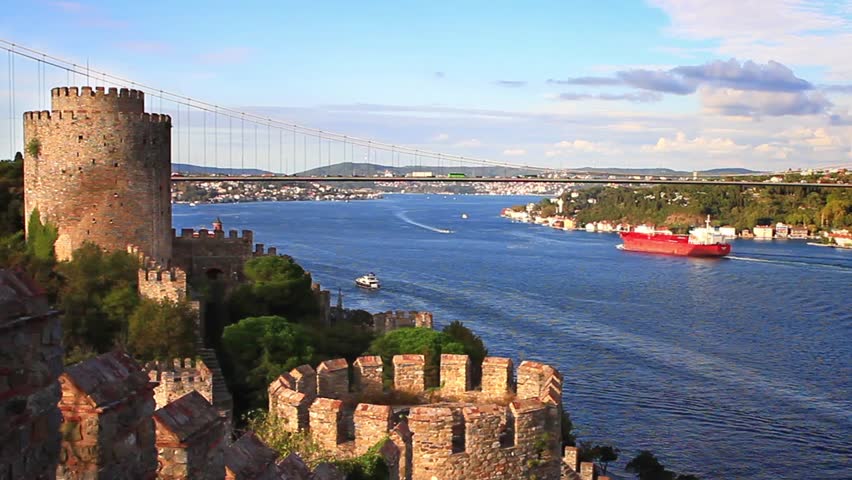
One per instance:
(732,368)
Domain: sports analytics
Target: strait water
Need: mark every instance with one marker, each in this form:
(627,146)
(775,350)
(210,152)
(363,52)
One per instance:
(732,368)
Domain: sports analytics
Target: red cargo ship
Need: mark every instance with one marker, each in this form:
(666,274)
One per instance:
(701,242)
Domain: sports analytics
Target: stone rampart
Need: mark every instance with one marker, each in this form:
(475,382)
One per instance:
(451,432)
(212,254)
(179,377)
(386,321)
(108,432)
(99,169)
(30,364)
(190,439)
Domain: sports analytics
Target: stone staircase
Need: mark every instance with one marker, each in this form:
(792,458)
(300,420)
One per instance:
(222,399)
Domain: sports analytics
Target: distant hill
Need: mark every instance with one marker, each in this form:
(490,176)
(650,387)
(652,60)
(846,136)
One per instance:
(198,169)
(665,172)
(371,170)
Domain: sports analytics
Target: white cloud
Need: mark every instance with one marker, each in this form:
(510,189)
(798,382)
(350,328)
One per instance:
(583,146)
(778,152)
(680,143)
(726,101)
(473,142)
(789,31)
(441,137)
(819,139)
(514,152)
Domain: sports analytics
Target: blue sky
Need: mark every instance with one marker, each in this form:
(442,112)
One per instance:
(682,84)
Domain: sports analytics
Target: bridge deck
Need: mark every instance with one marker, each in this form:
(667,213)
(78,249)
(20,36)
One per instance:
(626,181)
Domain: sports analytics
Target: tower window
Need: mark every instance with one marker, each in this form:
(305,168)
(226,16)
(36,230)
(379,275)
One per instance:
(80,138)
(115,164)
(93,161)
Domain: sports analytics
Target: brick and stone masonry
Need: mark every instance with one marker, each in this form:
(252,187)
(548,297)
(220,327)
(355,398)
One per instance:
(190,439)
(384,322)
(484,434)
(99,169)
(368,374)
(108,432)
(30,364)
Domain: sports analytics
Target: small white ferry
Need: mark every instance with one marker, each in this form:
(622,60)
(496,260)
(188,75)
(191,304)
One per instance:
(368,281)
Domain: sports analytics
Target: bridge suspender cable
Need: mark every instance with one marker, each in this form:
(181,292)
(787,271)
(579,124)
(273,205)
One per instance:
(201,105)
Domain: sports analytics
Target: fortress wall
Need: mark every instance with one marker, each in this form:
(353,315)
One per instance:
(409,373)
(372,423)
(162,283)
(289,405)
(537,380)
(497,377)
(178,378)
(476,437)
(455,374)
(333,379)
(206,252)
(326,419)
(387,321)
(432,444)
(30,365)
(108,432)
(102,171)
(368,375)
(190,440)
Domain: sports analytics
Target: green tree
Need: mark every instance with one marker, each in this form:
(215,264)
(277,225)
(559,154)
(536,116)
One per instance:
(96,295)
(602,455)
(425,341)
(11,196)
(260,349)
(647,467)
(40,238)
(276,285)
(158,330)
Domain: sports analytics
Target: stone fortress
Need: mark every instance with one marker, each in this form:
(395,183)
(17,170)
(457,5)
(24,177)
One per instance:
(98,167)
(508,428)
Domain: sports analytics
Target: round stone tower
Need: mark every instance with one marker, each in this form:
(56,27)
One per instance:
(98,168)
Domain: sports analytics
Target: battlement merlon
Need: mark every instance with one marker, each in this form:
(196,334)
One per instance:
(69,116)
(202,234)
(97,99)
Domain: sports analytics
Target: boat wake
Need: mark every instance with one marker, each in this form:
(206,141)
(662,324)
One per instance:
(620,246)
(790,263)
(402,216)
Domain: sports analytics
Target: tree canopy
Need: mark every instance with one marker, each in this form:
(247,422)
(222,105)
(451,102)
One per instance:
(681,206)
(97,295)
(157,330)
(646,466)
(425,341)
(276,285)
(262,348)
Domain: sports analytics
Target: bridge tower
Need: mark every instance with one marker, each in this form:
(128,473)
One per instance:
(98,167)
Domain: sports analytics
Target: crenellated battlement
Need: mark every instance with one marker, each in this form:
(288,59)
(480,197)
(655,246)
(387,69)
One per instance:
(448,426)
(100,170)
(179,377)
(97,99)
(203,234)
(75,116)
(392,320)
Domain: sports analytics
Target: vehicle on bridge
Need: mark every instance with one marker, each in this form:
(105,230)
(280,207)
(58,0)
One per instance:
(456,175)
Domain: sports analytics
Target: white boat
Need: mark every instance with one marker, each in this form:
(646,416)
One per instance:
(368,281)
(464,216)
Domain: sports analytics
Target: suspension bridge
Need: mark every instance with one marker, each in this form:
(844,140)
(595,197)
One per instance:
(228,139)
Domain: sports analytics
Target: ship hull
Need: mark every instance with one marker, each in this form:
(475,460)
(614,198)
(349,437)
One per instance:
(671,245)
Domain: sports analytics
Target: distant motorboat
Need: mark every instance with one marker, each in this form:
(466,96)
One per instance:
(368,281)
(464,216)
